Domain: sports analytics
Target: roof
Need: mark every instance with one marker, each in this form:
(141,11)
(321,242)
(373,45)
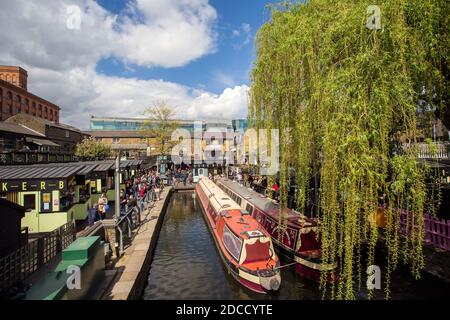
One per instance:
(108,165)
(18,129)
(38,124)
(42,142)
(262,203)
(38,172)
(61,170)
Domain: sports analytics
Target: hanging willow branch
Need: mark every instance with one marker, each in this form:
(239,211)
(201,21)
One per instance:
(344,98)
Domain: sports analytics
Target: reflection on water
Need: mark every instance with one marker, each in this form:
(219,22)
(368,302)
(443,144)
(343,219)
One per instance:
(187,266)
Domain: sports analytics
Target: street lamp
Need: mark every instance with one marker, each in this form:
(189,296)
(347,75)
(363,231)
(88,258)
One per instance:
(117,186)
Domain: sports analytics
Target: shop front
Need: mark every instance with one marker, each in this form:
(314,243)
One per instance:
(47,193)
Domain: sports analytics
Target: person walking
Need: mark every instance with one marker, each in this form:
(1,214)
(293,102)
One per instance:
(93,215)
(103,205)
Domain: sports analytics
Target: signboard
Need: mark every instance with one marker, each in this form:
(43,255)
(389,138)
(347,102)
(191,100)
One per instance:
(161,158)
(32,185)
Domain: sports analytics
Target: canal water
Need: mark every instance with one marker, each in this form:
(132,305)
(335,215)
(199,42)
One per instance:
(187,266)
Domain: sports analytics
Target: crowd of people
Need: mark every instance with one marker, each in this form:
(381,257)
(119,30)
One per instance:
(180,176)
(140,191)
(146,187)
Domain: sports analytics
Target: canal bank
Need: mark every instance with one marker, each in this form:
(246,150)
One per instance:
(126,278)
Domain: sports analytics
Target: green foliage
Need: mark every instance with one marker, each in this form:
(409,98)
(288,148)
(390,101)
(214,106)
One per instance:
(90,149)
(160,125)
(345,100)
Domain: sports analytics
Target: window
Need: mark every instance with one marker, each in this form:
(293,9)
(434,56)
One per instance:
(116,140)
(249,208)
(9,102)
(33,108)
(67,134)
(29,201)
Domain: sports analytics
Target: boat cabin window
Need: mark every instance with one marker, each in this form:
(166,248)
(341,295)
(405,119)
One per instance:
(239,200)
(249,208)
(245,213)
(225,214)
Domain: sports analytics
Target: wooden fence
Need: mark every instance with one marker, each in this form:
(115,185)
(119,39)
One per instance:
(19,265)
(437,231)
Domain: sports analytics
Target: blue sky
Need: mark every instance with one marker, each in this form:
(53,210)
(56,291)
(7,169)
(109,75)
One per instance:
(118,57)
(229,65)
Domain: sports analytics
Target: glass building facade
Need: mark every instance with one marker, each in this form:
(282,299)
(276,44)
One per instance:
(135,124)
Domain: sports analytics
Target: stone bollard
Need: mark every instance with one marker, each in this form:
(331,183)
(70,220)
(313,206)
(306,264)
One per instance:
(111,235)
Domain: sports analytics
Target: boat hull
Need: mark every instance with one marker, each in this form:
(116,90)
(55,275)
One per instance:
(307,267)
(238,274)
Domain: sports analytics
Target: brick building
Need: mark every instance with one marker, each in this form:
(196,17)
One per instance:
(25,139)
(15,98)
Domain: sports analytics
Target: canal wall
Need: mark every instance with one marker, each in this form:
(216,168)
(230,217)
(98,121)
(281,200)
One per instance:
(127,279)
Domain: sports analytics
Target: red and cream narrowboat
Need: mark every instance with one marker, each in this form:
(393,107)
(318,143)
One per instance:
(298,241)
(244,246)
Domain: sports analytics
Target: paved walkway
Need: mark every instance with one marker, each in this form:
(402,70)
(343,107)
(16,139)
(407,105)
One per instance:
(128,277)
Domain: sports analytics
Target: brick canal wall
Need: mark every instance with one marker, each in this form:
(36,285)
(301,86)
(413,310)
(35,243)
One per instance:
(127,279)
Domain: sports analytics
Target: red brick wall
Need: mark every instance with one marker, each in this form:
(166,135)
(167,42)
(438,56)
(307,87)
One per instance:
(14,100)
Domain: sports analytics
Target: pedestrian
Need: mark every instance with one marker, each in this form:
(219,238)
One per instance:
(93,215)
(103,205)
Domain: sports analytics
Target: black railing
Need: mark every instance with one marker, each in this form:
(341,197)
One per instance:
(33,157)
(126,224)
(22,263)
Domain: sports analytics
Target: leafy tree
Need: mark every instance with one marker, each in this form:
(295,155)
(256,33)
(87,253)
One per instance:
(345,99)
(159,126)
(90,149)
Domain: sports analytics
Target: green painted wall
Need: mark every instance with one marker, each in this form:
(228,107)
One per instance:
(80,210)
(51,221)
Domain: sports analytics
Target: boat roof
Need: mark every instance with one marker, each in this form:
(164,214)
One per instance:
(243,225)
(238,221)
(295,219)
(219,199)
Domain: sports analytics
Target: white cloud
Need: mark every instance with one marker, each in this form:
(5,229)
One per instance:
(83,92)
(61,62)
(244,33)
(173,32)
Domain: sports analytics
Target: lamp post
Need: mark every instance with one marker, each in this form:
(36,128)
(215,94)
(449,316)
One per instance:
(117,186)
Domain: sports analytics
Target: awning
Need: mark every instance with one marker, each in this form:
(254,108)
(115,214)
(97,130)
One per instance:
(39,173)
(42,142)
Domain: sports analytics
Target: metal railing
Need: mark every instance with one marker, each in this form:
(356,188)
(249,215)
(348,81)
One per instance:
(22,263)
(440,150)
(436,231)
(126,224)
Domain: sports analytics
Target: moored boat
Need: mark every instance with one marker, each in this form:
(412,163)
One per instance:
(244,246)
(298,240)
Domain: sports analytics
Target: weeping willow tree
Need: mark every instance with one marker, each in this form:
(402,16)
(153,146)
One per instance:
(344,97)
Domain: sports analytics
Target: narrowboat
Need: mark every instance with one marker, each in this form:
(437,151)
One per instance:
(244,246)
(299,239)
